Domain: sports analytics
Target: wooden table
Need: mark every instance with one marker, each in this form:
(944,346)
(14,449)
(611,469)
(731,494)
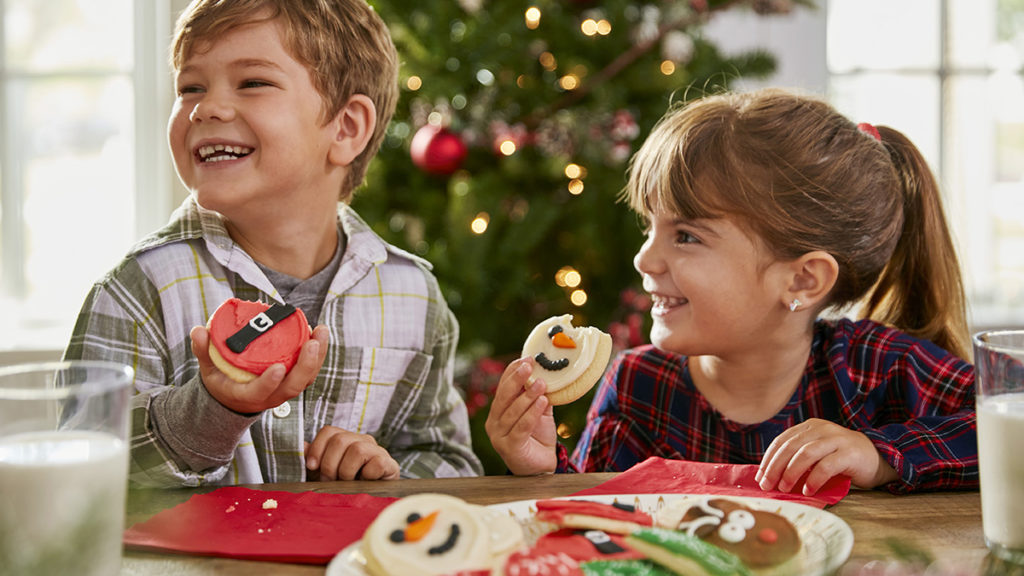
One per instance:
(946,525)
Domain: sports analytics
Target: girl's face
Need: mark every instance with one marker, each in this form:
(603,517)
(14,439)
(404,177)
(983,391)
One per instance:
(715,290)
(246,130)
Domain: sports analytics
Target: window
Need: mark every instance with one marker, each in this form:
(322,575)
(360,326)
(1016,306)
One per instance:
(948,74)
(83,168)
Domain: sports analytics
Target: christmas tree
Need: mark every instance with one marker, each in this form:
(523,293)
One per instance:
(508,152)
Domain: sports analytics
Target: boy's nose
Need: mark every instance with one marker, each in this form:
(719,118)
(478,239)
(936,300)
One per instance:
(211,108)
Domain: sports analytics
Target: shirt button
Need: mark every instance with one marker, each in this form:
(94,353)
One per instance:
(283,410)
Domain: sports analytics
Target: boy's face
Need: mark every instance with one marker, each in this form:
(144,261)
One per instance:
(714,290)
(246,131)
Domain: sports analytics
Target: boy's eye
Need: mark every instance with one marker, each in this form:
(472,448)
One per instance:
(190,89)
(254,84)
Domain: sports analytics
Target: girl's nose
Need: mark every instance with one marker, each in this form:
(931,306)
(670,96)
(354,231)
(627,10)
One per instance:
(646,260)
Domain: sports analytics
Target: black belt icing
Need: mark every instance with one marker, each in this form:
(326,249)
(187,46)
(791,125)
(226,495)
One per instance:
(258,325)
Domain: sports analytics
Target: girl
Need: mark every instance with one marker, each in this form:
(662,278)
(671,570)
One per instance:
(764,210)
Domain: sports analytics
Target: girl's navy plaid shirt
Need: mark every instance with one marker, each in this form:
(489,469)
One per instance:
(914,400)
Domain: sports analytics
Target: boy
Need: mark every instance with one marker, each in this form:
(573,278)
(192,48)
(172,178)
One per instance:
(280,106)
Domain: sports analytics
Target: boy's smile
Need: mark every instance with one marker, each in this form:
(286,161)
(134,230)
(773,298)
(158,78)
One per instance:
(247,131)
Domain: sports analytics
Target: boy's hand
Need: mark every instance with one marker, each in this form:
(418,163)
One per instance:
(822,449)
(342,455)
(520,423)
(271,388)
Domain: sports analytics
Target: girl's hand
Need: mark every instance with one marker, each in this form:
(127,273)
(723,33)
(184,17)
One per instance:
(520,423)
(821,449)
(269,389)
(342,455)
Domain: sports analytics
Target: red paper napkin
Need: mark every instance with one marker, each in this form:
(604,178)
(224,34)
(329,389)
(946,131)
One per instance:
(661,476)
(305,527)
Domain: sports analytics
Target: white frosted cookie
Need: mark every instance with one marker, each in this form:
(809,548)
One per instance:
(569,359)
(433,534)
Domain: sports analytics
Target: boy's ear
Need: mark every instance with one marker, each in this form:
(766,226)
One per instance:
(813,276)
(354,126)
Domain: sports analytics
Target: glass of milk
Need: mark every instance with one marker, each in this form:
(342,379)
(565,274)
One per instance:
(999,377)
(63,467)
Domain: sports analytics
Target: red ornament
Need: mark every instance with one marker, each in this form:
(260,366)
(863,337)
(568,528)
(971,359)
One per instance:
(435,150)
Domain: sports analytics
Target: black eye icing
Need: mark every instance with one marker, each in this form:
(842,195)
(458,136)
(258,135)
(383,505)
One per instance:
(556,329)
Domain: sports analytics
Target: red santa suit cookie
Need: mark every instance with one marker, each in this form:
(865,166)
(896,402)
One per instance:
(247,337)
(589,515)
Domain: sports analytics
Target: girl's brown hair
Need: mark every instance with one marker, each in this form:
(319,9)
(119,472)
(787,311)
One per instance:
(344,44)
(802,177)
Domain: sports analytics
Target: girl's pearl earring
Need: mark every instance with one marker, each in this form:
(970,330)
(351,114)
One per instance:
(794,304)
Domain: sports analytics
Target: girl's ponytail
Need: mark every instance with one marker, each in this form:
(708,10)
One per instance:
(920,290)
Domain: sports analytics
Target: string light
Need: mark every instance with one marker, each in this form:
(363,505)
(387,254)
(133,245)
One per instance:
(532,17)
(507,147)
(563,273)
(668,67)
(414,83)
(578,297)
(604,27)
(479,224)
(589,27)
(576,187)
(572,278)
(569,82)
(573,170)
(548,61)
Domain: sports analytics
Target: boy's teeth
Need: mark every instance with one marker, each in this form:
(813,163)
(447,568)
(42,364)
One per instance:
(218,152)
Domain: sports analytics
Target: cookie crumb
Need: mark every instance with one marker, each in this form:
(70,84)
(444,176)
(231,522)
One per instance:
(269,504)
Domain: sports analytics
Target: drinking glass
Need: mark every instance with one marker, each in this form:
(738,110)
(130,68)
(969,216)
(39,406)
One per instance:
(999,378)
(63,467)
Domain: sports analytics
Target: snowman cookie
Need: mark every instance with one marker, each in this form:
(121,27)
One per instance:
(569,359)
(432,534)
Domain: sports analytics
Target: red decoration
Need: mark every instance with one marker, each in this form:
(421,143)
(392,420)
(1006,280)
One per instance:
(435,150)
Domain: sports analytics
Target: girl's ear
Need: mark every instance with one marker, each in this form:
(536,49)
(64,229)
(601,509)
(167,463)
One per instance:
(354,125)
(813,276)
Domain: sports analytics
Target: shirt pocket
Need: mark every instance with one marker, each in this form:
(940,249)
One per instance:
(388,385)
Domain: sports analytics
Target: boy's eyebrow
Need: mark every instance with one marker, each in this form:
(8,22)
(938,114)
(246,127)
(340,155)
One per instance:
(241,63)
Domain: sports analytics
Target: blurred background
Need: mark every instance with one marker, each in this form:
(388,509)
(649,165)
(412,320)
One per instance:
(509,145)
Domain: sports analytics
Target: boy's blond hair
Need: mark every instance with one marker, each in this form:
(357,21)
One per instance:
(343,43)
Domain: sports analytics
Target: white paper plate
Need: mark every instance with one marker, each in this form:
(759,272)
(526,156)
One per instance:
(827,540)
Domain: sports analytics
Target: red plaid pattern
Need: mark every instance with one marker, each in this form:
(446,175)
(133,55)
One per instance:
(914,400)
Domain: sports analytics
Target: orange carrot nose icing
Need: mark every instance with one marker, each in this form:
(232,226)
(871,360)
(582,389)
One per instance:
(419,528)
(561,340)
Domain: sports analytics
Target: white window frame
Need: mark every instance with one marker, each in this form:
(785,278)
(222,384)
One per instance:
(154,188)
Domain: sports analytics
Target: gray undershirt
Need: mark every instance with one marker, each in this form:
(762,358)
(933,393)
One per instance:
(307,295)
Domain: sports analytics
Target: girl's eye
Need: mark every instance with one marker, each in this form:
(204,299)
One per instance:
(683,237)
